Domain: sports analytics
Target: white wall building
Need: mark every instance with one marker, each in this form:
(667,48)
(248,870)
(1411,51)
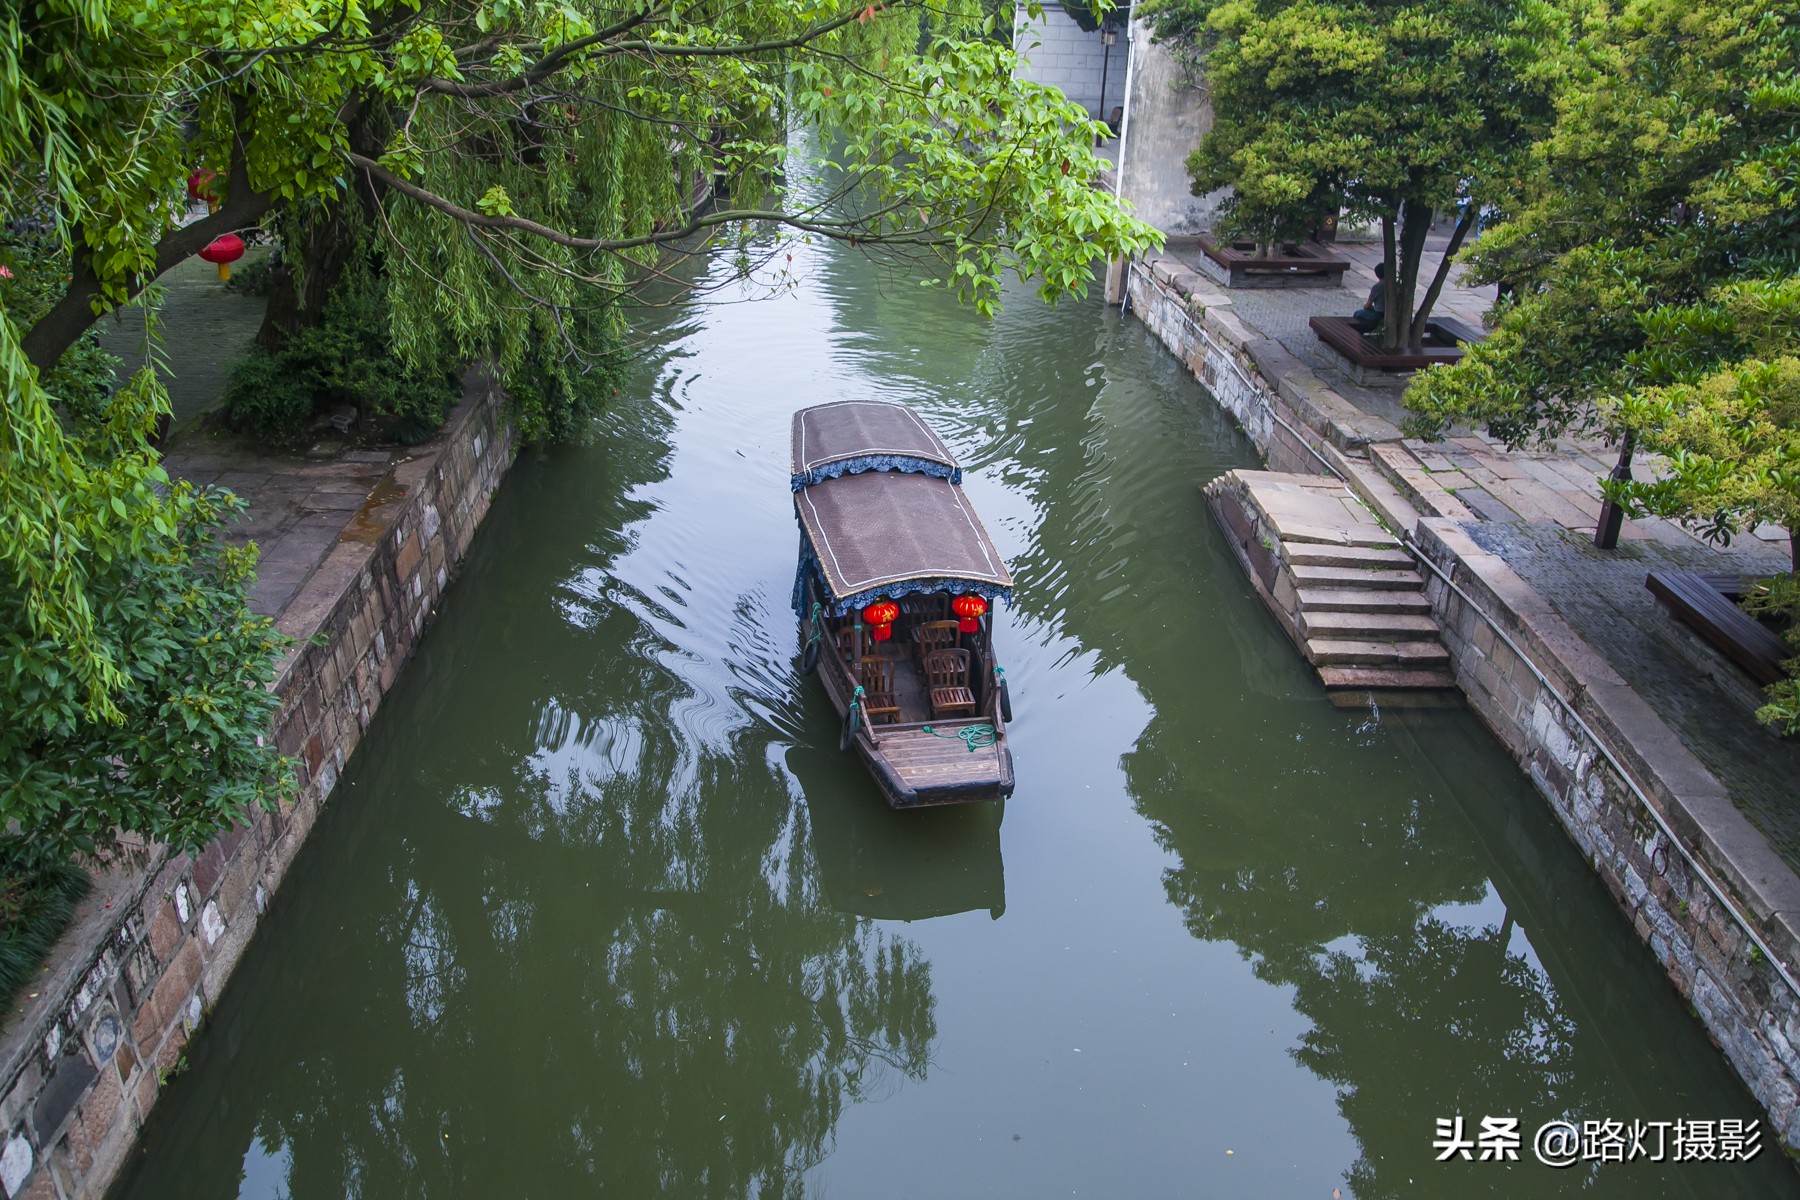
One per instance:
(1059,52)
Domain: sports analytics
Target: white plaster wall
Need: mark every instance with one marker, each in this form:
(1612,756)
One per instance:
(1168,117)
(1059,52)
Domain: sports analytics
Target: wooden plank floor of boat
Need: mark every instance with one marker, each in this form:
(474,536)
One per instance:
(925,761)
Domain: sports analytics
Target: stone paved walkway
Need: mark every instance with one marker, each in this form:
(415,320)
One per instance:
(1601,595)
(300,508)
(1537,509)
(1282,313)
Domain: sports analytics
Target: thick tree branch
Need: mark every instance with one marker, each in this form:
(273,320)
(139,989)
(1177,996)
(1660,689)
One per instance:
(544,67)
(75,313)
(831,229)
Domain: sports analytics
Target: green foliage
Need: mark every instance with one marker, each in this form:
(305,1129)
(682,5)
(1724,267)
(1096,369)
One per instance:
(1394,112)
(1779,598)
(1669,179)
(183,750)
(36,271)
(347,357)
(519,168)
(1656,256)
(36,904)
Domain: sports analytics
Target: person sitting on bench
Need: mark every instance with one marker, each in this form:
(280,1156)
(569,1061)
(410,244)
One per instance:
(1375,308)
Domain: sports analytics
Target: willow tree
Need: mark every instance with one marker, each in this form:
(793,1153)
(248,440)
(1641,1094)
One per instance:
(517,166)
(1398,113)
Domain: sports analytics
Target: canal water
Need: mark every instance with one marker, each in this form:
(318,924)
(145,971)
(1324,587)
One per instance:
(599,908)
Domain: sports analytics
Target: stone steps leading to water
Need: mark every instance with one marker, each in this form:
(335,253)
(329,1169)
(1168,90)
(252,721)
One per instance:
(1340,584)
(1360,600)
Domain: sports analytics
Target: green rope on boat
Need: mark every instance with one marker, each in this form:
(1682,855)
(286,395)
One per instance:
(975,737)
(818,626)
(856,701)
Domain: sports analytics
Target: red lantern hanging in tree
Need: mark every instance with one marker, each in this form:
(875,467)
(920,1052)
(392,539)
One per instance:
(969,610)
(224,250)
(200,186)
(881,616)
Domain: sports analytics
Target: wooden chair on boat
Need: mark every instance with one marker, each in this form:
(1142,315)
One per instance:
(846,643)
(879,698)
(916,610)
(947,683)
(934,636)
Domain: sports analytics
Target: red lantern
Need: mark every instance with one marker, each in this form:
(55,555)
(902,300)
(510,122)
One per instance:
(224,251)
(969,609)
(200,186)
(881,616)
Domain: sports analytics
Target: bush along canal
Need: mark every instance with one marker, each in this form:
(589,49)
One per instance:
(598,906)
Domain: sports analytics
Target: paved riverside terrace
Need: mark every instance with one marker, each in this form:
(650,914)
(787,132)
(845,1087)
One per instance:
(1536,509)
(299,508)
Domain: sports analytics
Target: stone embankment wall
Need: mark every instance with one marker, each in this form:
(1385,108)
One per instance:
(82,1063)
(1291,415)
(1577,729)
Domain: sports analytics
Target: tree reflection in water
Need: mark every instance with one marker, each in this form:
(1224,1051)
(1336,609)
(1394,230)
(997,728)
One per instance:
(1384,869)
(597,958)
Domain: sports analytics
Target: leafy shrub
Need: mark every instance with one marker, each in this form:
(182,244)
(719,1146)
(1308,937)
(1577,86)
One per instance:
(348,357)
(184,751)
(267,399)
(35,906)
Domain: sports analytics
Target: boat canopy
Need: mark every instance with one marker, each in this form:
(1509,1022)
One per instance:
(882,529)
(854,436)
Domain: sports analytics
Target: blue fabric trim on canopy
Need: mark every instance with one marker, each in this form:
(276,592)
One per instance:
(906,464)
(809,569)
(992,593)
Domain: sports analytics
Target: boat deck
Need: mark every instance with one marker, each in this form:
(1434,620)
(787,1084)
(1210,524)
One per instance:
(932,764)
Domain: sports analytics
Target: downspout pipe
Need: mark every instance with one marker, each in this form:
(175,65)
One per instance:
(1131,26)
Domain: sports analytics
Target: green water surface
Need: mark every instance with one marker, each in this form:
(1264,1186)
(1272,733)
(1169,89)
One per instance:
(598,908)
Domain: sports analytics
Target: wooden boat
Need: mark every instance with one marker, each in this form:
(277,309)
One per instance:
(895,591)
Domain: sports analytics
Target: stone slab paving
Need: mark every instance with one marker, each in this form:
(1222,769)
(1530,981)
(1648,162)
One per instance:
(299,507)
(1283,313)
(206,328)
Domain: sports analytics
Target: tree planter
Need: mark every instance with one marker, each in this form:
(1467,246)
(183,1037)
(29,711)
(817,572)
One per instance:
(1366,362)
(1301,265)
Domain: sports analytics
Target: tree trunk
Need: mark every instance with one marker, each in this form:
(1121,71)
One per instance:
(1415,339)
(324,247)
(1389,262)
(1396,329)
(1612,517)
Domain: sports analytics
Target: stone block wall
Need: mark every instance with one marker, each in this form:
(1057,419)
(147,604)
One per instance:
(1292,422)
(1167,115)
(1735,989)
(132,980)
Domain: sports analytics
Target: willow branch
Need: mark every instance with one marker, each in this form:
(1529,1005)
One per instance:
(831,229)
